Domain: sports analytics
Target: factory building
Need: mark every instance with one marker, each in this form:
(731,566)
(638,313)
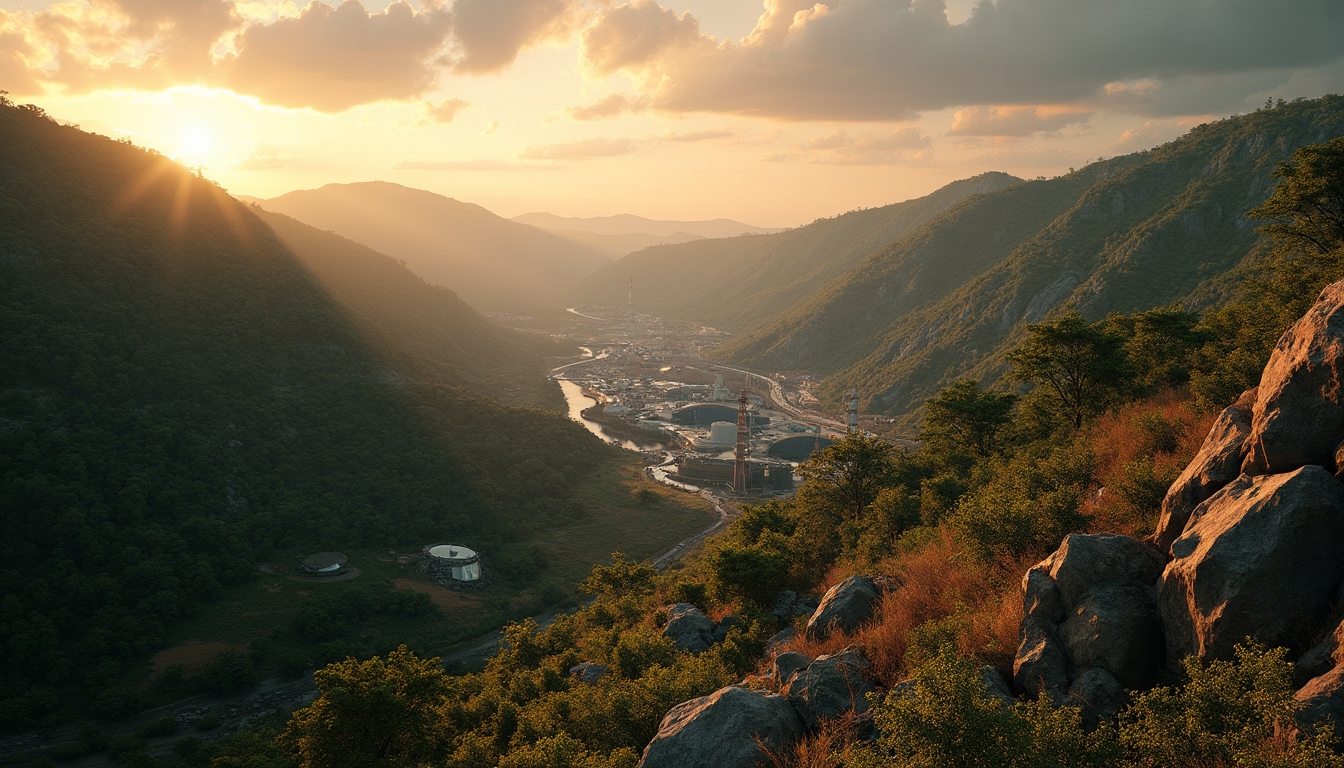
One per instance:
(799,448)
(325,564)
(761,475)
(454,561)
(705,414)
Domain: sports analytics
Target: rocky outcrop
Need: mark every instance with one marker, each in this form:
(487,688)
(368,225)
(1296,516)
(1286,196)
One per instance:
(724,626)
(844,607)
(1298,419)
(1217,464)
(1324,656)
(1098,694)
(784,665)
(1322,701)
(688,628)
(589,672)
(996,686)
(1261,558)
(780,638)
(725,729)
(830,686)
(1092,605)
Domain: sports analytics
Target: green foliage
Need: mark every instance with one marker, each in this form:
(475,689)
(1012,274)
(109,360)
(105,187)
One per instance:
(753,573)
(231,673)
(1081,365)
(847,475)
(967,418)
(622,578)
(1160,346)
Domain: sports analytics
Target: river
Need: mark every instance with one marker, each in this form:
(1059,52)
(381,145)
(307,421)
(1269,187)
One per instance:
(577,402)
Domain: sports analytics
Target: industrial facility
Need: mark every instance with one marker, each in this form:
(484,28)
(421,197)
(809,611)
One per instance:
(325,564)
(453,562)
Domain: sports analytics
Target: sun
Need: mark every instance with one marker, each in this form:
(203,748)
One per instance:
(195,141)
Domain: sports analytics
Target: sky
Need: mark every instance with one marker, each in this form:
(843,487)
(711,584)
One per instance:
(772,112)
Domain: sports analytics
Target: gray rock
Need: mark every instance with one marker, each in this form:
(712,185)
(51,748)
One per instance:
(830,686)
(785,664)
(722,628)
(723,730)
(688,628)
(1298,417)
(1322,701)
(782,605)
(1040,668)
(845,607)
(1117,628)
(806,605)
(1041,599)
(1260,558)
(1217,464)
(1323,657)
(780,638)
(997,686)
(1085,561)
(589,672)
(1098,694)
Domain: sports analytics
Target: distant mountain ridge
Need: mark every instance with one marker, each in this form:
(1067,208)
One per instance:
(744,282)
(489,261)
(1130,233)
(629,224)
(617,246)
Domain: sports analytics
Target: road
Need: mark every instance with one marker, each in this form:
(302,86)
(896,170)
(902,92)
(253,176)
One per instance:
(779,402)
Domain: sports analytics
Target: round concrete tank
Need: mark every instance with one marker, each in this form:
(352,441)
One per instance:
(722,433)
(455,560)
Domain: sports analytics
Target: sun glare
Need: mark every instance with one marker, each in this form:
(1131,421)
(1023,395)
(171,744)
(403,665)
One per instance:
(195,141)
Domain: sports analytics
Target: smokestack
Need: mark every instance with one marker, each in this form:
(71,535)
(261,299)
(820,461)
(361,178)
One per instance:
(630,309)
(743,435)
(853,411)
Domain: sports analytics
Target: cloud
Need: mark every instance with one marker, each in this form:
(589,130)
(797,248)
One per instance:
(491,128)
(490,33)
(891,59)
(262,157)
(445,111)
(578,150)
(611,105)
(840,148)
(456,165)
(694,136)
(1013,121)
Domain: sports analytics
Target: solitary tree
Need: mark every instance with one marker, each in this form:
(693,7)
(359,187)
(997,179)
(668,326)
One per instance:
(1079,363)
(1306,209)
(848,474)
(968,417)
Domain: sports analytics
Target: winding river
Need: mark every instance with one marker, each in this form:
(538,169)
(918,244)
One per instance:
(577,402)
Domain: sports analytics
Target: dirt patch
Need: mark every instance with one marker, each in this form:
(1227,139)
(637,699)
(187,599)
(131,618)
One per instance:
(193,656)
(444,598)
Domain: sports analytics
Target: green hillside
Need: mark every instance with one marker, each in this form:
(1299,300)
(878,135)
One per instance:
(743,282)
(1127,234)
(491,262)
(183,397)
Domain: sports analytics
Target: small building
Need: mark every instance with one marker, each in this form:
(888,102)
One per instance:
(454,561)
(326,564)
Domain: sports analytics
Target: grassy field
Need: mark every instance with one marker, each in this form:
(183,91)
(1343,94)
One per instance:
(259,618)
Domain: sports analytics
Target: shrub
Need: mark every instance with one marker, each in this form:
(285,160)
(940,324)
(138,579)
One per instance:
(231,673)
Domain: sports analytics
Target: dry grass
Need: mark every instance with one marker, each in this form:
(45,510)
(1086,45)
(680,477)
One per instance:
(826,747)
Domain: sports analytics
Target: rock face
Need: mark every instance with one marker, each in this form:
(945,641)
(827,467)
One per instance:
(1217,464)
(782,606)
(785,664)
(688,628)
(1323,657)
(1261,558)
(589,672)
(722,730)
(996,686)
(1092,605)
(724,626)
(1323,701)
(1298,418)
(1098,694)
(844,607)
(830,685)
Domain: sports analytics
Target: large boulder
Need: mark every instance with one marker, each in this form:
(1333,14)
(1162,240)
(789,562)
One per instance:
(1217,464)
(1260,558)
(1323,657)
(784,665)
(725,729)
(830,686)
(844,607)
(688,628)
(1091,604)
(1098,694)
(1298,419)
(1322,701)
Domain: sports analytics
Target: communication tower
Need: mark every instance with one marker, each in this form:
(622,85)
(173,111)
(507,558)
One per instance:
(740,457)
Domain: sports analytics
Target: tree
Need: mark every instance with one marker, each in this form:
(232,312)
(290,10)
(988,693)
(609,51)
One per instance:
(623,577)
(964,415)
(1161,345)
(1306,209)
(373,713)
(848,474)
(1079,363)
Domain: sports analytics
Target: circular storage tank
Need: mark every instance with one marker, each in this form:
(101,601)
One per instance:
(722,433)
(799,448)
(462,563)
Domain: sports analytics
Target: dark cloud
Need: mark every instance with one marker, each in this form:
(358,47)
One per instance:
(490,33)
(579,150)
(1013,121)
(885,59)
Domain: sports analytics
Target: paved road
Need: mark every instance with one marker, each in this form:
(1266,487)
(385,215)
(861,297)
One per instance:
(779,402)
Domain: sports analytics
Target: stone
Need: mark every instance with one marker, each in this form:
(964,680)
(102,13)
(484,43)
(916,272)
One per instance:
(1217,464)
(589,672)
(688,628)
(1260,558)
(830,686)
(725,729)
(806,605)
(996,686)
(780,638)
(1040,667)
(1117,628)
(1098,694)
(723,627)
(1084,561)
(845,607)
(1323,657)
(782,605)
(785,664)
(1322,701)
(1298,418)
(1041,599)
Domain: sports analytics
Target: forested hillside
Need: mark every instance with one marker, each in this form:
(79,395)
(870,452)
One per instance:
(1126,234)
(491,262)
(181,395)
(743,282)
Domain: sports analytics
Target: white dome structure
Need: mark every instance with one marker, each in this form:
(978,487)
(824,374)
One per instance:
(455,560)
